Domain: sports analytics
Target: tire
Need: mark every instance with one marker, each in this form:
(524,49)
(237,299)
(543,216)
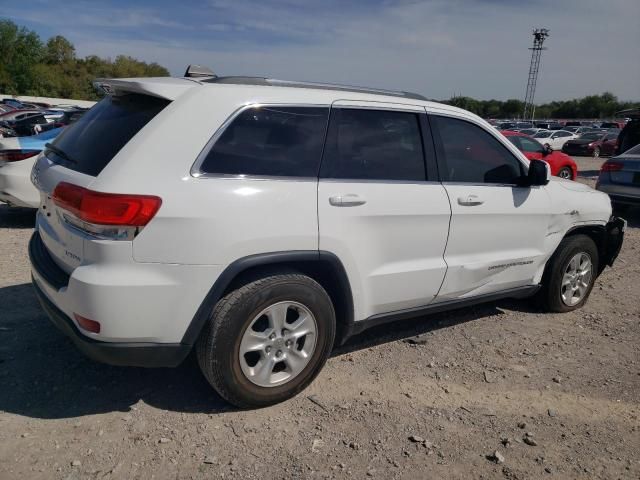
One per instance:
(550,296)
(219,345)
(565,172)
(596,152)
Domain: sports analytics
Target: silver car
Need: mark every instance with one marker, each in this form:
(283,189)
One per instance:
(620,178)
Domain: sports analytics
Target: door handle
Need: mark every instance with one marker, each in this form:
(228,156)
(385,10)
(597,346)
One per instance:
(470,200)
(348,200)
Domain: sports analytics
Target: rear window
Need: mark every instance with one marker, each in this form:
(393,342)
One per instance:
(91,142)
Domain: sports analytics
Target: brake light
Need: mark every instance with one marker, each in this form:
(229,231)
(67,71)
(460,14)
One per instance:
(17,155)
(611,167)
(99,208)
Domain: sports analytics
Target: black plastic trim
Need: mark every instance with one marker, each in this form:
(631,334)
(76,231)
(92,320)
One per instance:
(42,263)
(265,259)
(380,319)
(121,354)
(614,237)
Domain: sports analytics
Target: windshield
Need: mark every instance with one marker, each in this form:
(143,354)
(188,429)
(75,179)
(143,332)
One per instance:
(542,135)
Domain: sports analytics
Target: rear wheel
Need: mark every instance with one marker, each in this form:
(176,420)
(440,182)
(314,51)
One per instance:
(596,152)
(267,340)
(570,274)
(565,172)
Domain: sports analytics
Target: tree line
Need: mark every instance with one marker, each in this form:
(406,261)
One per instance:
(29,66)
(592,106)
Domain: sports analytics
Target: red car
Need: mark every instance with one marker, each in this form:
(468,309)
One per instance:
(562,165)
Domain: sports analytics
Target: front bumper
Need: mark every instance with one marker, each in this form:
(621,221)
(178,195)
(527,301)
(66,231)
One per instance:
(614,237)
(122,354)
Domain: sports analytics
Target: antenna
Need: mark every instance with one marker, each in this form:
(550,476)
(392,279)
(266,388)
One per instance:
(539,36)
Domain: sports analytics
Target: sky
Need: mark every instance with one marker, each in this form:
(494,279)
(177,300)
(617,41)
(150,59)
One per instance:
(438,48)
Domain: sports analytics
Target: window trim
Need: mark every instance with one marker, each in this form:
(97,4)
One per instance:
(196,169)
(426,140)
(442,158)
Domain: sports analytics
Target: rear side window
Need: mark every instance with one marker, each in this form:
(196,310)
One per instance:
(271,141)
(95,138)
(373,145)
(473,155)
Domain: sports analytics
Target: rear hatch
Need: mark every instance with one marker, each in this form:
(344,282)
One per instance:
(83,150)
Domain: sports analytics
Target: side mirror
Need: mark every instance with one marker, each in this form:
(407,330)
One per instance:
(539,173)
(548,150)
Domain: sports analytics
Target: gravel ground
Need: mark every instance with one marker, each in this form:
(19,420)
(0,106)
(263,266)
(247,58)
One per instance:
(556,396)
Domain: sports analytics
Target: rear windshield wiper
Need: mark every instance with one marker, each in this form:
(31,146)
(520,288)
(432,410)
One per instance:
(59,152)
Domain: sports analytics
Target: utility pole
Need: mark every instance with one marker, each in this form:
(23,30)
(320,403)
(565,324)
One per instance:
(539,36)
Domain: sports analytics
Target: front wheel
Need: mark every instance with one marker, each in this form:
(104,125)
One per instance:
(596,152)
(570,274)
(267,340)
(565,172)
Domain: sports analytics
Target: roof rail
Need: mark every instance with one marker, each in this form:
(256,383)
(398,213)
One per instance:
(194,71)
(273,82)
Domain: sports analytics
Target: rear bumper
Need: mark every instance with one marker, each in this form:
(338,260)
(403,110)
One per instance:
(15,185)
(122,354)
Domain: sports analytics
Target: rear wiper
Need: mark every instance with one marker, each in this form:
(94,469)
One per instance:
(59,152)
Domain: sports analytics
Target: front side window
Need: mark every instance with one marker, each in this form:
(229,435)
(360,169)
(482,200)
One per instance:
(473,155)
(373,145)
(271,141)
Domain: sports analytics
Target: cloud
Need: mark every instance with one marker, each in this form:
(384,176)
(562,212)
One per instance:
(438,47)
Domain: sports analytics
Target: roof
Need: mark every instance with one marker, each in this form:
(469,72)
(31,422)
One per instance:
(272,82)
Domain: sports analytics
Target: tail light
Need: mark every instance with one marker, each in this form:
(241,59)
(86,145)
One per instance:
(17,155)
(611,167)
(112,215)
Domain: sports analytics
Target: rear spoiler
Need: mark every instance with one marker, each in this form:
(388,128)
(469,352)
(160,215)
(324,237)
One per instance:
(168,88)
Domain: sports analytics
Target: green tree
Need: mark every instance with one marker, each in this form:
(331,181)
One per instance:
(20,51)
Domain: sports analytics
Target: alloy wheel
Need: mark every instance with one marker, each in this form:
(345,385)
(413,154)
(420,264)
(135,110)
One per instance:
(278,344)
(576,279)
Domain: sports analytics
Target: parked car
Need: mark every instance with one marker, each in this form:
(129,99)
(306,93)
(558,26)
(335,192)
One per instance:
(531,131)
(548,125)
(630,134)
(13,103)
(620,178)
(561,165)
(554,139)
(592,144)
(17,156)
(28,125)
(17,114)
(286,214)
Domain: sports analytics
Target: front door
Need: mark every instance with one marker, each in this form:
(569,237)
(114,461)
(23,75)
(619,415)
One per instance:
(498,229)
(381,209)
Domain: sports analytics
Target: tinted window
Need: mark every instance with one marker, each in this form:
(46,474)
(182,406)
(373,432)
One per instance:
(100,134)
(275,141)
(373,145)
(473,155)
(530,146)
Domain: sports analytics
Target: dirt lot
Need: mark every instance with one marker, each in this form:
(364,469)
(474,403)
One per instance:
(558,396)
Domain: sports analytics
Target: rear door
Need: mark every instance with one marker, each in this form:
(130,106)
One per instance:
(77,156)
(381,209)
(498,229)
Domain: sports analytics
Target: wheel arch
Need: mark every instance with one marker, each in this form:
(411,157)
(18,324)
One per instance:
(598,234)
(322,266)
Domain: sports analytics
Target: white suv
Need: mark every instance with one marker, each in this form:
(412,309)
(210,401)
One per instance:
(260,220)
